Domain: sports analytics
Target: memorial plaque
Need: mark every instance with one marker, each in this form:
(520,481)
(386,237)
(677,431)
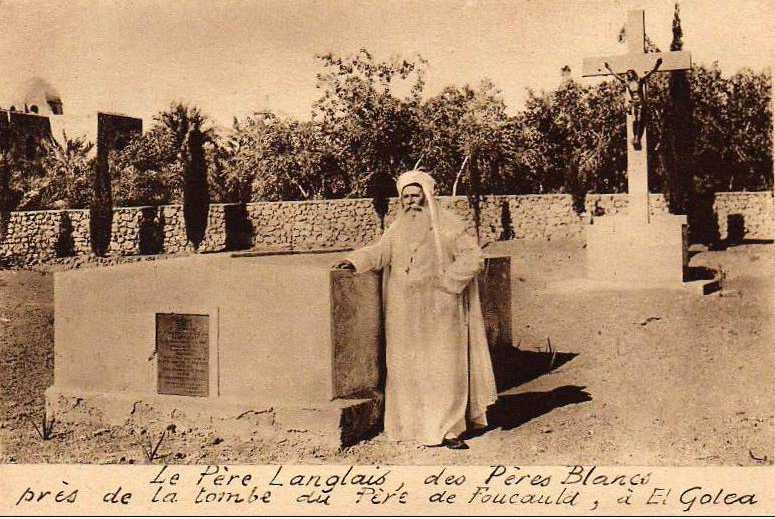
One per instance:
(182,345)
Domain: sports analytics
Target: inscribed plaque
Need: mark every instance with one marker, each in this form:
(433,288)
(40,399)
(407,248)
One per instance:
(182,343)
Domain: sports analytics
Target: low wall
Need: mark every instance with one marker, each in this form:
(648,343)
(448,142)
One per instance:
(745,216)
(40,236)
(155,230)
(315,224)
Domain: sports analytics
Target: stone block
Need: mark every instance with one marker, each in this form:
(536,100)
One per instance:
(624,251)
(282,333)
(495,294)
(334,424)
(356,312)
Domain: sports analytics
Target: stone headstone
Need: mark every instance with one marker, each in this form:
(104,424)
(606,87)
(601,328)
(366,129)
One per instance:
(495,294)
(355,320)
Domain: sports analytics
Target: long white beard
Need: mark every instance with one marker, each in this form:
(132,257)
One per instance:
(421,215)
(416,224)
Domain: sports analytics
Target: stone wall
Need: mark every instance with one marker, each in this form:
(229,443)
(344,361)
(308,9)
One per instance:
(745,216)
(40,236)
(153,230)
(312,224)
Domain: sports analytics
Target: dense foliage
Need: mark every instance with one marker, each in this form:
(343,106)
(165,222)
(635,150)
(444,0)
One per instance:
(373,119)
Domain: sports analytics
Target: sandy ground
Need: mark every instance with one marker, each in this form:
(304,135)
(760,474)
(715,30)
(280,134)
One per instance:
(640,378)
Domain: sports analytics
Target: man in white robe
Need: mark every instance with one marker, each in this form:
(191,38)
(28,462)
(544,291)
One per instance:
(439,373)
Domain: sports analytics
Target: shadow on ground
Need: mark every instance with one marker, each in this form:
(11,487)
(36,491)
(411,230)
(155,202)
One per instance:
(515,367)
(511,411)
(514,410)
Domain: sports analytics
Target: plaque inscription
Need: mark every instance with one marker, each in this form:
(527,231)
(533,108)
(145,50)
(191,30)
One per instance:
(183,347)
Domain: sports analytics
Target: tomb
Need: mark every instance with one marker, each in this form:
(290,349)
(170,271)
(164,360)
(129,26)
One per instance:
(211,338)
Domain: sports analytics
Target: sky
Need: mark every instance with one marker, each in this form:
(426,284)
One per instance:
(235,57)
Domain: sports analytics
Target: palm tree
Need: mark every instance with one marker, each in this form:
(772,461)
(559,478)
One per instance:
(69,168)
(180,119)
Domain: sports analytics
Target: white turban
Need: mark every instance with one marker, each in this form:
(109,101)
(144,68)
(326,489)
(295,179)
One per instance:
(415,176)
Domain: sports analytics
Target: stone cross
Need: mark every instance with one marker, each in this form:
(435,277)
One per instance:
(638,60)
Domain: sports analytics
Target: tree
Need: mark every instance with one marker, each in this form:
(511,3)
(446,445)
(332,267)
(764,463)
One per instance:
(574,140)
(150,170)
(466,122)
(188,132)
(196,200)
(276,158)
(678,133)
(466,138)
(69,170)
(23,175)
(732,148)
(58,179)
(367,127)
(101,211)
(147,171)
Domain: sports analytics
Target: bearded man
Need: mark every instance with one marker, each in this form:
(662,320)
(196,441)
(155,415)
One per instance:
(439,373)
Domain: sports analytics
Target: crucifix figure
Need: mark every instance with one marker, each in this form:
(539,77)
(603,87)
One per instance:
(633,69)
(636,106)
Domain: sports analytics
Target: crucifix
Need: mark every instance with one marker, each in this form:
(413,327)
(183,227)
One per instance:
(633,70)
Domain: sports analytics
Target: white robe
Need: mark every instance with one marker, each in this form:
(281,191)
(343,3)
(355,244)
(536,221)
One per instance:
(439,372)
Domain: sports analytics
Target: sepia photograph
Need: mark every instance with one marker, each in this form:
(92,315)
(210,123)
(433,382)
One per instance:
(404,233)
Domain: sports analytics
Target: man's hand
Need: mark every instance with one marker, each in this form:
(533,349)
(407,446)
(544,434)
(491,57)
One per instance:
(344,265)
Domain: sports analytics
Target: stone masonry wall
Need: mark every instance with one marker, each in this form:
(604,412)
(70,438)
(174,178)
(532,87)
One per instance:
(40,236)
(745,215)
(313,224)
(152,230)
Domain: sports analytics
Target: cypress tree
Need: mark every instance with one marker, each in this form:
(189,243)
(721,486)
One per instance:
(5,196)
(101,208)
(678,131)
(196,198)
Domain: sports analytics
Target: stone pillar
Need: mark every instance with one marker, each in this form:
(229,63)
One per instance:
(637,176)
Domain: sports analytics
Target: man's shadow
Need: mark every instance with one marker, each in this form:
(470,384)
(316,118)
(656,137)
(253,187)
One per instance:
(511,411)
(518,367)
(513,367)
